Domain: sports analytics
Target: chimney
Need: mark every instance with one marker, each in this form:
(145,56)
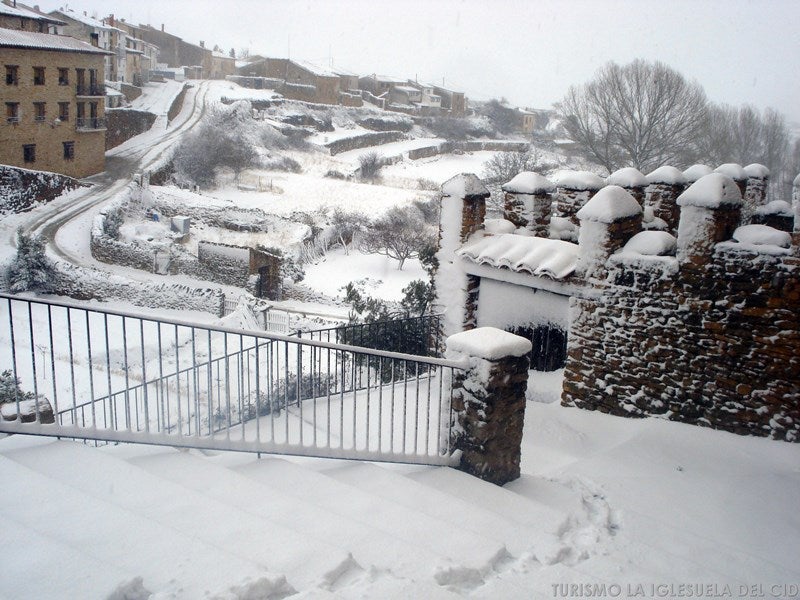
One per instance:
(202,44)
(710,212)
(162,27)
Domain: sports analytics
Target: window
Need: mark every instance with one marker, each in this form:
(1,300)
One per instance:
(12,112)
(39,112)
(38,75)
(12,74)
(63,76)
(29,153)
(69,150)
(63,111)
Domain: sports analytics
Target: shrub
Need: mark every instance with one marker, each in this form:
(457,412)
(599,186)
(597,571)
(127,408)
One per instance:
(30,269)
(370,165)
(113,221)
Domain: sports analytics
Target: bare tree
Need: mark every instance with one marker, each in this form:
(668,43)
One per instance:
(503,166)
(401,233)
(641,114)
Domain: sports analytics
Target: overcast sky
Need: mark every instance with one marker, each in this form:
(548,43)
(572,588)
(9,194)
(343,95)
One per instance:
(741,51)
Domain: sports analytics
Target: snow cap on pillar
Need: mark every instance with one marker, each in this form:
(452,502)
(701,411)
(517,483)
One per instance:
(667,175)
(695,172)
(528,182)
(610,204)
(465,185)
(712,191)
(627,177)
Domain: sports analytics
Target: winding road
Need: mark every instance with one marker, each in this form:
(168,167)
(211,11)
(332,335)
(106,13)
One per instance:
(133,156)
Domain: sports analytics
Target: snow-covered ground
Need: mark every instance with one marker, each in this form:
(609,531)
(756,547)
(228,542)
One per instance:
(602,501)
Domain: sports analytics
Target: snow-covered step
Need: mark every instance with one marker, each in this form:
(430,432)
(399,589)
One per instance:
(427,534)
(87,546)
(267,545)
(358,532)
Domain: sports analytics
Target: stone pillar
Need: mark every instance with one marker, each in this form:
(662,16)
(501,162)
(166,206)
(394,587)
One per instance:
(631,180)
(665,185)
(488,409)
(796,210)
(528,203)
(736,172)
(608,221)
(462,214)
(710,213)
(755,193)
(573,190)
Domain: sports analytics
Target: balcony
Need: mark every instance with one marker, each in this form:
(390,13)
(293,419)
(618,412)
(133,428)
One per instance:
(90,124)
(90,90)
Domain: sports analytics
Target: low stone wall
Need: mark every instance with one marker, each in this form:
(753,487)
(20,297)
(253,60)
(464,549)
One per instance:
(470,146)
(22,189)
(177,104)
(364,141)
(89,284)
(131,92)
(125,123)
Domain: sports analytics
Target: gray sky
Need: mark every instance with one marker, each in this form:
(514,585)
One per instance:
(741,51)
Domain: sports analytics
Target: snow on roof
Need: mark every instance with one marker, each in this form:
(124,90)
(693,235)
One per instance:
(408,88)
(695,172)
(315,69)
(25,13)
(520,253)
(668,175)
(732,170)
(463,185)
(46,41)
(85,19)
(610,204)
(577,180)
(651,243)
(711,191)
(216,54)
(528,182)
(757,171)
(627,177)
(776,207)
(488,343)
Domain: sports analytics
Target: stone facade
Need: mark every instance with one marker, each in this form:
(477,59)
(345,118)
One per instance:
(123,124)
(58,125)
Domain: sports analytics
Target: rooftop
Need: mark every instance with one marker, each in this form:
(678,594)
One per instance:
(84,18)
(11,38)
(534,255)
(26,13)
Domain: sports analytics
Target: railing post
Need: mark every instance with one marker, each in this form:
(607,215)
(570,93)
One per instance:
(488,408)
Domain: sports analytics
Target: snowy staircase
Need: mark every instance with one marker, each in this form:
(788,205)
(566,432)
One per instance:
(226,525)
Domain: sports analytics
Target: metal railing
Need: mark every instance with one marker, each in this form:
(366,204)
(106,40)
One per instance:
(90,90)
(90,123)
(125,377)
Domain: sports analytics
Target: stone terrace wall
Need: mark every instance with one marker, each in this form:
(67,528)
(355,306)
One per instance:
(715,345)
(22,189)
(364,141)
(124,123)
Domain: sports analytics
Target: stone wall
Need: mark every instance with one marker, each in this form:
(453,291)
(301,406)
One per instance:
(22,189)
(124,123)
(177,104)
(364,141)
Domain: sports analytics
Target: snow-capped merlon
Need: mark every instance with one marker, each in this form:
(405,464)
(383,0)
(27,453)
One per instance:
(528,182)
(762,235)
(609,205)
(488,343)
(756,171)
(627,177)
(733,170)
(520,253)
(668,175)
(498,226)
(577,180)
(776,207)
(651,243)
(711,191)
(464,185)
(696,172)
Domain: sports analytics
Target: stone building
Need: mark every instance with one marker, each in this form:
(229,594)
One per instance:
(175,52)
(698,322)
(54,103)
(19,17)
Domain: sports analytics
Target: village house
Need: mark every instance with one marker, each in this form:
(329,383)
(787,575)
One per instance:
(148,53)
(84,27)
(222,65)
(175,52)
(53,94)
(22,18)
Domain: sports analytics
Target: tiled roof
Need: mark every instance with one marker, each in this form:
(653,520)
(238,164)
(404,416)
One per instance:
(44,41)
(68,13)
(19,11)
(523,254)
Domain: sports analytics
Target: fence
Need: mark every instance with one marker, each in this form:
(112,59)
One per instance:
(119,376)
